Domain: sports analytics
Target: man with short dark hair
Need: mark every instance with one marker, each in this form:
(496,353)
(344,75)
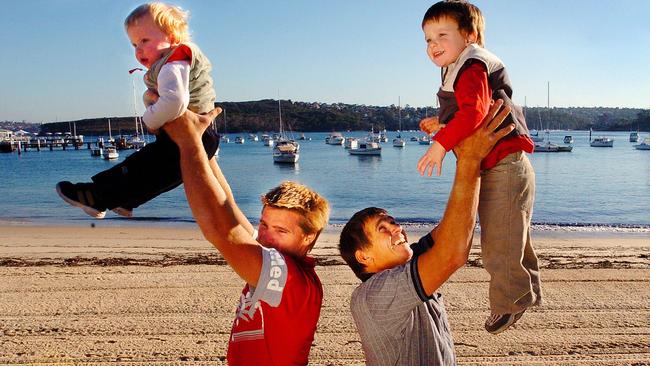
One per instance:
(400,317)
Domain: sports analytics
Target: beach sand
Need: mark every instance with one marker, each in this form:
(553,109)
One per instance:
(161,296)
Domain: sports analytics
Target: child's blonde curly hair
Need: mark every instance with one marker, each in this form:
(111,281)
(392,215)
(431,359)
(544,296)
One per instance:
(313,209)
(170,18)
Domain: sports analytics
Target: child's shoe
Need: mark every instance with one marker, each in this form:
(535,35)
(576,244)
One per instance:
(122,211)
(81,195)
(497,323)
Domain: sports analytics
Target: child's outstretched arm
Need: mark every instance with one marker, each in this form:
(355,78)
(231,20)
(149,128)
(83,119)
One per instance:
(432,159)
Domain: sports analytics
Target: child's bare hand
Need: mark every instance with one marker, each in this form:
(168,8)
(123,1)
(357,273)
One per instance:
(432,159)
(150,97)
(430,125)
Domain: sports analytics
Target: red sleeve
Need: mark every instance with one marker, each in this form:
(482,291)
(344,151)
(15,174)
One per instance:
(181,53)
(473,96)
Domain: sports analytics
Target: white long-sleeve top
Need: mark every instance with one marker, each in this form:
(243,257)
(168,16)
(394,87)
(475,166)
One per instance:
(174,95)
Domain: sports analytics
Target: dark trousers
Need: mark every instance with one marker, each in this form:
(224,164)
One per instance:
(146,173)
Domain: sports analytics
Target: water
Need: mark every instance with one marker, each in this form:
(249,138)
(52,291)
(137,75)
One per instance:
(590,187)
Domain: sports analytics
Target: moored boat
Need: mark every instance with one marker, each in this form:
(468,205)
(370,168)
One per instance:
(602,142)
(335,138)
(110,153)
(366,148)
(645,145)
(351,143)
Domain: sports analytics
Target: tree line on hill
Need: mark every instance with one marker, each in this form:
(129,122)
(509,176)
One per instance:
(263,116)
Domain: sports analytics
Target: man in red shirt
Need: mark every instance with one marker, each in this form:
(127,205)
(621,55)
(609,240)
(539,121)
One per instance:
(280,304)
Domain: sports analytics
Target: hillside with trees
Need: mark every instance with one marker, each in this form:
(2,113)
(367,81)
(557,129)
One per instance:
(262,115)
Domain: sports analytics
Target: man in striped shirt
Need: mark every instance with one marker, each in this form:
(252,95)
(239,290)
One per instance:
(400,317)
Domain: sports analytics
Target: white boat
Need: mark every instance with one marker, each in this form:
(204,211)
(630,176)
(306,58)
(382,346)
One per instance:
(547,146)
(398,141)
(253,137)
(551,147)
(425,140)
(136,142)
(286,151)
(335,138)
(304,138)
(267,140)
(239,140)
(366,148)
(634,136)
(110,153)
(568,139)
(383,137)
(414,138)
(225,139)
(351,143)
(602,142)
(645,145)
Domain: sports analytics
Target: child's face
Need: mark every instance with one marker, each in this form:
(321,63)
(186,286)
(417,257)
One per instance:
(149,41)
(444,40)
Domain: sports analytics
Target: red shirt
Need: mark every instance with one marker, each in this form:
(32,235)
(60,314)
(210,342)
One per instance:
(263,334)
(474,96)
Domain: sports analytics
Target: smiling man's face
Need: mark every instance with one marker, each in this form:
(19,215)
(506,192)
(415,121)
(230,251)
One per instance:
(388,245)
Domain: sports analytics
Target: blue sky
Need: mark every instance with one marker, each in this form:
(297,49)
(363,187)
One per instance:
(68,59)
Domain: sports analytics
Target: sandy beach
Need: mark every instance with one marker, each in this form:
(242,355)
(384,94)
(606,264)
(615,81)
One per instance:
(162,296)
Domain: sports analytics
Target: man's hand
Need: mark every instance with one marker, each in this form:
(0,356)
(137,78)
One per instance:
(430,125)
(479,144)
(432,159)
(188,128)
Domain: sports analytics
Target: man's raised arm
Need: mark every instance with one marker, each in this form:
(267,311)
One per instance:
(453,235)
(215,212)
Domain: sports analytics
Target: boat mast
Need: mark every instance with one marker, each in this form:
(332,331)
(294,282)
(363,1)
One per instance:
(280,114)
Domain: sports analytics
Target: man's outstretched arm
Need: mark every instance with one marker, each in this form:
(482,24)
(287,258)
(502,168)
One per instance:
(216,214)
(454,233)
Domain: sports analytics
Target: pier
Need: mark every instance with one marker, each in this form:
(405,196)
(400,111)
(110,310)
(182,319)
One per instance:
(70,142)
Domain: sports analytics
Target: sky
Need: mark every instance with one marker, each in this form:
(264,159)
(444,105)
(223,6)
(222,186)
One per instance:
(68,59)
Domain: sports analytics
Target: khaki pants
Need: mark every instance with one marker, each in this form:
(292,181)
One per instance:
(505,211)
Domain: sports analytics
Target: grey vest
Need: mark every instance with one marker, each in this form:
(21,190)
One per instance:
(497,79)
(202,95)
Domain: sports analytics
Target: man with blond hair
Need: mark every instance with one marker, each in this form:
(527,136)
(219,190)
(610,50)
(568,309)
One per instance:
(280,304)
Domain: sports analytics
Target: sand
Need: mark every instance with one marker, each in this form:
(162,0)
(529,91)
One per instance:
(162,296)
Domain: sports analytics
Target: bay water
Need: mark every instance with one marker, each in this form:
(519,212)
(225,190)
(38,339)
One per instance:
(589,187)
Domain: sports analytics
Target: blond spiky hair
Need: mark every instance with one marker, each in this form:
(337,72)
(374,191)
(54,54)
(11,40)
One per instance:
(313,208)
(171,19)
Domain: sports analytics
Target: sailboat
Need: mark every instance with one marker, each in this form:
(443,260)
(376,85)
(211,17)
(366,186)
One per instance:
(109,151)
(224,138)
(399,141)
(138,142)
(285,150)
(545,145)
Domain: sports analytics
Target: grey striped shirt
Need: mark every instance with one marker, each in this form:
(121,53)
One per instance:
(398,323)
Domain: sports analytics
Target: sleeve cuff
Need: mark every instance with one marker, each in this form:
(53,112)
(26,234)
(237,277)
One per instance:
(417,283)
